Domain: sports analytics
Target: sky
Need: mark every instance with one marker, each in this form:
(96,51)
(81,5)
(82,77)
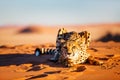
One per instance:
(59,12)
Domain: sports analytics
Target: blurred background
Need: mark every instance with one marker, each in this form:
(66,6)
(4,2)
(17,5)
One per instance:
(59,12)
(37,21)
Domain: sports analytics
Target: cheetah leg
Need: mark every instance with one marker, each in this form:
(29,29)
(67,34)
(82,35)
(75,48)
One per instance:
(94,61)
(56,57)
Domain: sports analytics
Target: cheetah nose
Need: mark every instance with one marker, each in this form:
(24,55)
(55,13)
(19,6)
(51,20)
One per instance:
(68,56)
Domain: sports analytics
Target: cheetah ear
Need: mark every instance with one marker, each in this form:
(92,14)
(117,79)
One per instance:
(87,36)
(62,31)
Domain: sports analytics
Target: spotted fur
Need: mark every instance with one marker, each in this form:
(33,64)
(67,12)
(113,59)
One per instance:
(71,48)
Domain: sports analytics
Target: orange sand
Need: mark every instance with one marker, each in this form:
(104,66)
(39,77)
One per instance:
(17,60)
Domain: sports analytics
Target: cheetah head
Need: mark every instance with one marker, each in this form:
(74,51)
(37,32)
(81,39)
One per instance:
(72,47)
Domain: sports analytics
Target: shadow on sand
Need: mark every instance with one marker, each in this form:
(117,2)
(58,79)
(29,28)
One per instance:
(18,59)
(110,37)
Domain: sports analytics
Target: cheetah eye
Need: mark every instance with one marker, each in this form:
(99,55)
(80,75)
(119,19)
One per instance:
(65,47)
(68,53)
(88,36)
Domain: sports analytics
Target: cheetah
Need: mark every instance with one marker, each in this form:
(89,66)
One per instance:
(71,48)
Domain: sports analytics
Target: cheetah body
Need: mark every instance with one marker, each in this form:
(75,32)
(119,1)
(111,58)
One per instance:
(71,48)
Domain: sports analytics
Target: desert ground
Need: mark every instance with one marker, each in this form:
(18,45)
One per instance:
(18,62)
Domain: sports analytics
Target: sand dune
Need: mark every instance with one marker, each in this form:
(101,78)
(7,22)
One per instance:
(35,34)
(18,62)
